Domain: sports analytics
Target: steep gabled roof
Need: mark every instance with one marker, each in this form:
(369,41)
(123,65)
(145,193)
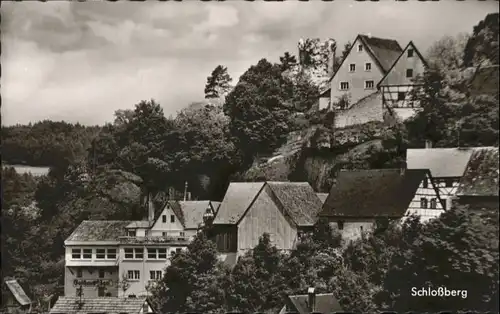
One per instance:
(17,291)
(108,305)
(324,303)
(442,162)
(238,198)
(298,200)
(481,175)
(99,230)
(410,45)
(193,212)
(373,193)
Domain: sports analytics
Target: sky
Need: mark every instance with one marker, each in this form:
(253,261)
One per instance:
(82,61)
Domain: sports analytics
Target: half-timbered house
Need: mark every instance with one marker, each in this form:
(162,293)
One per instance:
(361,199)
(283,210)
(447,166)
(400,80)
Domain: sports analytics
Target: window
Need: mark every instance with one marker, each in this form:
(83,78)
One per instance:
(425,183)
(352,67)
(100,253)
(423,202)
(401,95)
(368,66)
(409,72)
(79,273)
(157,253)
(133,275)
(360,48)
(344,85)
(172,218)
(340,224)
(164,218)
(76,253)
(87,253)
(164,234)
(101,291)
(131,233)
(410,53)
(101,273)
(369,84)
(182,233)
(448,183)
(445,203)
(111,254)
(178,250)
(134,253)
(155,274)
(433,203)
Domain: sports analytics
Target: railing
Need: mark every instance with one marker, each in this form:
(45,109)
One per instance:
(153,240)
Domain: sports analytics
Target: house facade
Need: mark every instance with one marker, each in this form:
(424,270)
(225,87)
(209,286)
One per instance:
(361,199)
(400,80)
(121,258)
(249,209)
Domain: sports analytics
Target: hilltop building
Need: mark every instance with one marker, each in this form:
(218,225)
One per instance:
(121,258)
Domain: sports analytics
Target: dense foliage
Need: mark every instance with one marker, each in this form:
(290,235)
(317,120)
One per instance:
(218,83)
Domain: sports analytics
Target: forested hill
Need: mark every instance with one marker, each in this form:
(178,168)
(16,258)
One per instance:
(46,143)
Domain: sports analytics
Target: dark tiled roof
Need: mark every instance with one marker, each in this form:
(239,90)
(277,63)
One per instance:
(481,175)
(18,292)
(193,212)
(442,162)
(386,51)
(325,303)
(238,197)
(99,230)
(373,193)
(108,305)
(299,200)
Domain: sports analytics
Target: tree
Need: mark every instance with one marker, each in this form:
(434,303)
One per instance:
(482,46)
(193,280)
(343,55)
(446,54)
(449,252)
(257,284)
(218,83)
(287,61)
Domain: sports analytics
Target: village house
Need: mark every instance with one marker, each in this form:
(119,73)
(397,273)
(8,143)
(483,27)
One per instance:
(121,258)
(107,305)
(311,303)
(362,199)
(478,187)
(14,299)
(373,82)
(284,210)
(447,167)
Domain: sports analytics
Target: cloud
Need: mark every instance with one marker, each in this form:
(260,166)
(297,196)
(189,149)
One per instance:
(81,61)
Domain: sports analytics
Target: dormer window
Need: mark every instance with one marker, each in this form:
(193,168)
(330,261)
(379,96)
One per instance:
(360,48)
(410,53)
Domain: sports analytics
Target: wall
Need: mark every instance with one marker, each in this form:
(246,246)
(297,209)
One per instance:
(172,228)
(357,79)
(90,273)
(447,193)
(428,193)
(264,216)
(324,102)
(353,227)
(368,109)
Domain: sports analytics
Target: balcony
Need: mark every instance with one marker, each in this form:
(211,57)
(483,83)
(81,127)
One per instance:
(155,240)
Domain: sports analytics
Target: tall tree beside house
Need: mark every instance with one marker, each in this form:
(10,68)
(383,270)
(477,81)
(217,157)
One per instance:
(343,54)
(194,281)
(482,46)
(287,61)
(446,54)
(218,83)
(462,249)
(256,280)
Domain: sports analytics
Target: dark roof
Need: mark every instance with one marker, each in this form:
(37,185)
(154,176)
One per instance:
(442,162)
(325,303)
(193,212)
(481,175)
(99,230)
(108,305)
(412,45)
(384,51)
(238,197)
(485,81)
(373,193)
(18,292)
(298,200)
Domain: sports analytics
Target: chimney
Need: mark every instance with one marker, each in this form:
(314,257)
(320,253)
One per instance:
(151,208)
(311,299)
(185,191)
(428,144)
